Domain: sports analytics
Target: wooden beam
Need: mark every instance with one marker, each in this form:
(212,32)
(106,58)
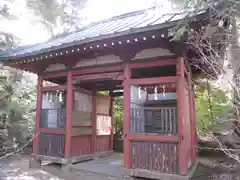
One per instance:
(158,80)
(52,131)
(69,115)
(50,75)
(167,62)
(100,76)
(98,70)
(38,113)
(54,88)
(152,137)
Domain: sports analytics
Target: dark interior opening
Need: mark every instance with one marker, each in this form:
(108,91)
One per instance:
(151,72)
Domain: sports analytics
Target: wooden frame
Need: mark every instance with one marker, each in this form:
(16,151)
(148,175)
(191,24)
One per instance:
(94,122)
(38,112)
(69,115)
(151,137)
(126,113)
(126,68)
(154,63)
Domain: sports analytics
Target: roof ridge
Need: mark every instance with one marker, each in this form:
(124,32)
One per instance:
(121,16)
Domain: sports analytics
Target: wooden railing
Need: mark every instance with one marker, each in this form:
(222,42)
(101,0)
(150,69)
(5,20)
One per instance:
(53,118)
(155,156)
(51,145)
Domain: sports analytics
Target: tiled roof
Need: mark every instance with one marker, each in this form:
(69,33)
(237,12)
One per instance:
(123,24)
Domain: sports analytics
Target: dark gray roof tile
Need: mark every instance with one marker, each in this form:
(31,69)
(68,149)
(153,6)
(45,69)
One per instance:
(122,23)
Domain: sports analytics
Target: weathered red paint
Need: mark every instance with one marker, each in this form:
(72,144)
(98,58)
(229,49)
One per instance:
(98,70)
(69,114)
(99,76)
(91,144)
(155,156)
(38,112)
(191,116)
(180,104)
(54,88)
(102,143)
(81,145)
(112,124)
(153,63)
(126,121)
(52,131)
(94,123)
(159,80)
(51,75)
(152,137)
(194,135)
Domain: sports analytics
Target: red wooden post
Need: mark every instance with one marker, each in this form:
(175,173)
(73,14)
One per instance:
(112,124)
(126,121)
(190,94)
(180,104)
(194,135)
(38,113)
(94,122)
(69,115)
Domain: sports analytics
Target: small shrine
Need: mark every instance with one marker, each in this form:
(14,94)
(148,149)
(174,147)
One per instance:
(133,56)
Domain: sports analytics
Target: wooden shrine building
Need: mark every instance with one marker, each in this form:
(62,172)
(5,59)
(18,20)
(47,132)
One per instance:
(130,55)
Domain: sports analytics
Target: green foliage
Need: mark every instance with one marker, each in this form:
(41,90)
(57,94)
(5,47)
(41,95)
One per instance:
(212,104)
(57,16)
(17,104)
(7,40)
(118,115)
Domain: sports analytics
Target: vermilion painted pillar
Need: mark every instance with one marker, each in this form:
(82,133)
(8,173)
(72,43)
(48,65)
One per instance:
(126,120)
(38,113)
(94,122)
(194,125)
(69,109)
(112,124)
(182,150)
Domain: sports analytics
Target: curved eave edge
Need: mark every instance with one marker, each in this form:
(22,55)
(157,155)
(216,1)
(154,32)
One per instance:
(99,38)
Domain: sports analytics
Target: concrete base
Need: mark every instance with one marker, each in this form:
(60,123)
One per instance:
(146,174)
(142,173)
(71,160)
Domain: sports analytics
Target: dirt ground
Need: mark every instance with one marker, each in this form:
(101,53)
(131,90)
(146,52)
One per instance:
(17,168)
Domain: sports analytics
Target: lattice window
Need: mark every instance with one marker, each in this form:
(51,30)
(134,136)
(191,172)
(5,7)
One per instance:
(153,109)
